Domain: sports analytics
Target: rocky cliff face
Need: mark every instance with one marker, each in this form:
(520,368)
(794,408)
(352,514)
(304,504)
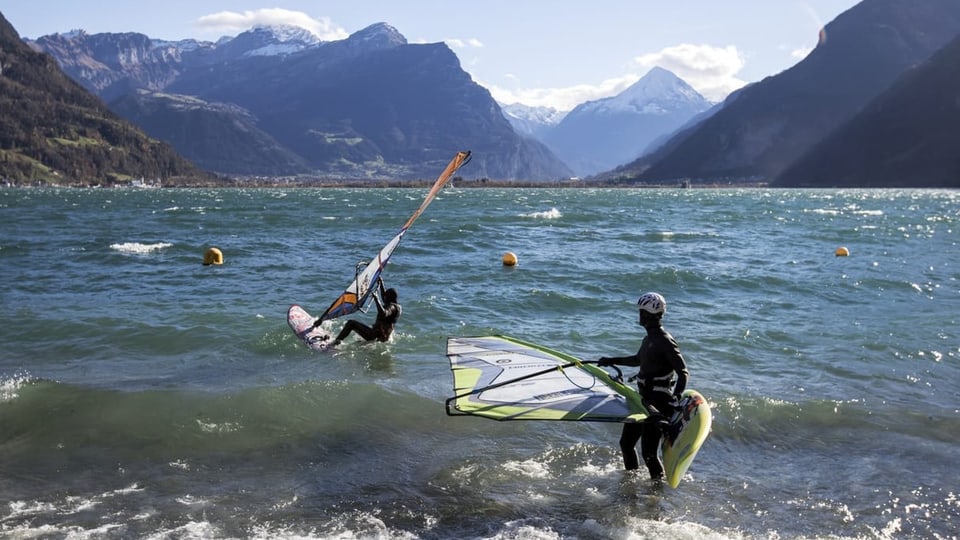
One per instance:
(112,65)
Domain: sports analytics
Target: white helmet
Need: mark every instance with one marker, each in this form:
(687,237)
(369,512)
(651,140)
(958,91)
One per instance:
(652,302)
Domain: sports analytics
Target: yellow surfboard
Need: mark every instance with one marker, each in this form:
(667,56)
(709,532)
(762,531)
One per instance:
(678,452)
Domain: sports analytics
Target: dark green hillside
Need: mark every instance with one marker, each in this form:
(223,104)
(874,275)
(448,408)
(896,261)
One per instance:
(54,131)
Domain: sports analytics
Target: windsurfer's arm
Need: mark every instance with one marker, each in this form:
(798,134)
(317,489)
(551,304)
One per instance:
(680,367)
(632,360)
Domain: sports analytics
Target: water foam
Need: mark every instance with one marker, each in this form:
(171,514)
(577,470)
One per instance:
(553,213)
(139,248)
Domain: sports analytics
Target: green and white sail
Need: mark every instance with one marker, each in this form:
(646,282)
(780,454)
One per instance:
(504,378)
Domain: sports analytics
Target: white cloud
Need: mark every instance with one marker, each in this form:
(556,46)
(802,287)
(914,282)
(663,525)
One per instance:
(562,99)
(710,70)
(801,53)
(232,22)
(470,43)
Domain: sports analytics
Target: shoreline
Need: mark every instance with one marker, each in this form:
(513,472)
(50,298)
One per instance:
(374,184)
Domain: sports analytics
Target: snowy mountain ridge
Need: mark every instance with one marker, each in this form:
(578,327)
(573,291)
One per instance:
(657,92)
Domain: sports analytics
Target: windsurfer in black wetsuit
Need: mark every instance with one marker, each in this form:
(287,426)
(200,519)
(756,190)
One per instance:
(659,359)
(388,312)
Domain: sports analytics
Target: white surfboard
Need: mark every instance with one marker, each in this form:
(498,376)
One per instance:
(301,323)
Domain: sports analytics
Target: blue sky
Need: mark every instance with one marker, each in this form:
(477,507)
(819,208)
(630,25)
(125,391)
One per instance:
(556,53)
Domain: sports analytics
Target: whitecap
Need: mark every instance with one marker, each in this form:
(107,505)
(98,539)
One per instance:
(140,248)
(10,388)
(213,427)
(553,213)
(530,468)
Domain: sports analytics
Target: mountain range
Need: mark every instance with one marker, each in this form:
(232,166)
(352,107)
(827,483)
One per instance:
(276,101)
(872,105)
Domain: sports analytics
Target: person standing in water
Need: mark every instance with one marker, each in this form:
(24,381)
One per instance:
(661,380)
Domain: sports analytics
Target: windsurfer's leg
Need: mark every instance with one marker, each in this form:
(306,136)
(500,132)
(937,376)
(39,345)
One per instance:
(628,442)
(649,447)
(361,329)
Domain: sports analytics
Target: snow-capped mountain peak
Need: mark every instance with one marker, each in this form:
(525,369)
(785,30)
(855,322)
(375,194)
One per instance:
(275,39)
(542,115)
(285,33)
(600,135)
(75,33)
(530,120)
(378,35)
(657,92)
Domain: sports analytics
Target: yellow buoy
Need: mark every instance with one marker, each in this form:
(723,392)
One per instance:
(212,256)
(509,259)
(842,252)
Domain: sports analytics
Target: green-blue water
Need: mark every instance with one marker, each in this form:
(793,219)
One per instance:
(144,395)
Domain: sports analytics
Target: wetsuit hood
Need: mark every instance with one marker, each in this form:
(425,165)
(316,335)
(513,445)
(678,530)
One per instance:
(390,295)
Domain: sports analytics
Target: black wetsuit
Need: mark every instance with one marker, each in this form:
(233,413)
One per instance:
(387,315)
(659,360)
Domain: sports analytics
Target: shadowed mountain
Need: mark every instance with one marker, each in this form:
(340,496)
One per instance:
(905,137)
(206,131)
